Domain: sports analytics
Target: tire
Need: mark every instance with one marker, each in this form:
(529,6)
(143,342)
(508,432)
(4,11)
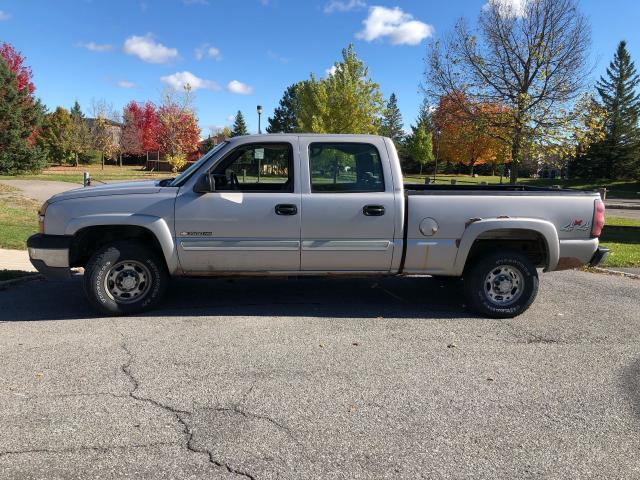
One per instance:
(487,282)
(124,278)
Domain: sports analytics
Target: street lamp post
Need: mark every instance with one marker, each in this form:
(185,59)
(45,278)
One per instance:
(259,110)
(435,171)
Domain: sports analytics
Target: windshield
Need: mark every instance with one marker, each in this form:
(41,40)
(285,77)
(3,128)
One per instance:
(184,176)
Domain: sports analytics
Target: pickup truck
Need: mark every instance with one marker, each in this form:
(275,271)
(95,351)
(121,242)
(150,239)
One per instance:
(293,205)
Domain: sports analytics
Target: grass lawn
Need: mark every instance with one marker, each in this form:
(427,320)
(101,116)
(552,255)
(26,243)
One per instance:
(110,173)
(616,189)
(624,246)
(18,218)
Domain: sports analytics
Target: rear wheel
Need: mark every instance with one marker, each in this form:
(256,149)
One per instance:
(501,284)
(124,277)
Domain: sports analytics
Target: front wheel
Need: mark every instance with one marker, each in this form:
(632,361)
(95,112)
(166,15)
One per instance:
(501,284)
(124,278)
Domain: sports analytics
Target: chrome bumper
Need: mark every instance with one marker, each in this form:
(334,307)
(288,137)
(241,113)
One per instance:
(49,254)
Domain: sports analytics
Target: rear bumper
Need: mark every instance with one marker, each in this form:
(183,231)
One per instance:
(49,254)
(599,257)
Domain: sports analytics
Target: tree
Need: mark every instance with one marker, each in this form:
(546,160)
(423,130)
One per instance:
(178,132)
(239,126)
(16,63)
(80,135)
(529,57)
(469,139)
(346,101)
(20,118)
(391,125)
(618,96)
(102,138)
(57,137)
(285,116)
(419,145)
(132,129)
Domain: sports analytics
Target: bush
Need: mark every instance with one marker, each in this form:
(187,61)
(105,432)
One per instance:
(177,161)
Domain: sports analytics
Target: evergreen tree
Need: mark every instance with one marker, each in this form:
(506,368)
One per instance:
(20,118)
(391,125)
(285,116)
(239,126)
(425,117)
(618,152)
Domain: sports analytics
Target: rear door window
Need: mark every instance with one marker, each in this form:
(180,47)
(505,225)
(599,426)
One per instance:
(345,167)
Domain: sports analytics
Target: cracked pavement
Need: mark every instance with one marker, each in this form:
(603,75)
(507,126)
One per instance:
(322,378)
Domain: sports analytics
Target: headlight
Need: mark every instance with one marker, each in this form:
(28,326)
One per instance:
(41,213)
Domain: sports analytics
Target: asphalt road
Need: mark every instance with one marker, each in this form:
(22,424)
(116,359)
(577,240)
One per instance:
(322,378)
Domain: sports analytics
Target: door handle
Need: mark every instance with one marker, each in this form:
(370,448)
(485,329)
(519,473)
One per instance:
(373,210)
(286,209)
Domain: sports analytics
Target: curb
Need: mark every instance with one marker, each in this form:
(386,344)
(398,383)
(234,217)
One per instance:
(617,272)
(18,281)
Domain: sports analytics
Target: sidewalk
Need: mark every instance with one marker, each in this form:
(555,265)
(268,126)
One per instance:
(15,260)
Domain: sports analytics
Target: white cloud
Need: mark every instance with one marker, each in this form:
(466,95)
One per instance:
(125,84)
(231,118)
(508,8)
(178,80)
(207,51)
(330,71)
(399,27)
(147,50)
(344,5)
(95,47)
(234,86)
(4,16)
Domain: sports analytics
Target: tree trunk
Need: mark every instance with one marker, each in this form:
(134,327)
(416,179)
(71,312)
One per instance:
(102,159)
(515,156)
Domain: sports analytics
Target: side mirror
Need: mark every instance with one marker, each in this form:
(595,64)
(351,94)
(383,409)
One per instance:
(205,184)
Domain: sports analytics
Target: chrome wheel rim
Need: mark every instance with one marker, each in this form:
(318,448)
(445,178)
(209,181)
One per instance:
(127,281)
(503,285)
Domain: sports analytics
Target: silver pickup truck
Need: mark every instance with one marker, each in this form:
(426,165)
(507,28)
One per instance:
(313,205)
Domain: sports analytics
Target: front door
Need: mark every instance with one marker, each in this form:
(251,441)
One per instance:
(348,207)
(251,223)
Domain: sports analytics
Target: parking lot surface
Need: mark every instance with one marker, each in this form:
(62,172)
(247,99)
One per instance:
(322,378)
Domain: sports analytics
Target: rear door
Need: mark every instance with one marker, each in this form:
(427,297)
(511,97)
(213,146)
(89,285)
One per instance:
(348,213)
(251,223)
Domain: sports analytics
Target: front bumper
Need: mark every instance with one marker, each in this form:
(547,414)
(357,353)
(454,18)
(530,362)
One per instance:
(49,254)
(599,257)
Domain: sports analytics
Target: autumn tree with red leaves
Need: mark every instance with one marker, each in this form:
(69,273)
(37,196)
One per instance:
(16,63)
(178,134)
(131,139)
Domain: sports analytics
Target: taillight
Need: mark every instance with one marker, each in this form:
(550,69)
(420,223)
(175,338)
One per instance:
(598,219)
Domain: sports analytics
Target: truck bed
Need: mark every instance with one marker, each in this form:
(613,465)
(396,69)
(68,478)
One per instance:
(495,189)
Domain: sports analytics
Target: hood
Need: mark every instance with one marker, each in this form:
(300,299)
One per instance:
(122,188)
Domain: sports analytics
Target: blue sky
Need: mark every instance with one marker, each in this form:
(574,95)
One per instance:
(240,53)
